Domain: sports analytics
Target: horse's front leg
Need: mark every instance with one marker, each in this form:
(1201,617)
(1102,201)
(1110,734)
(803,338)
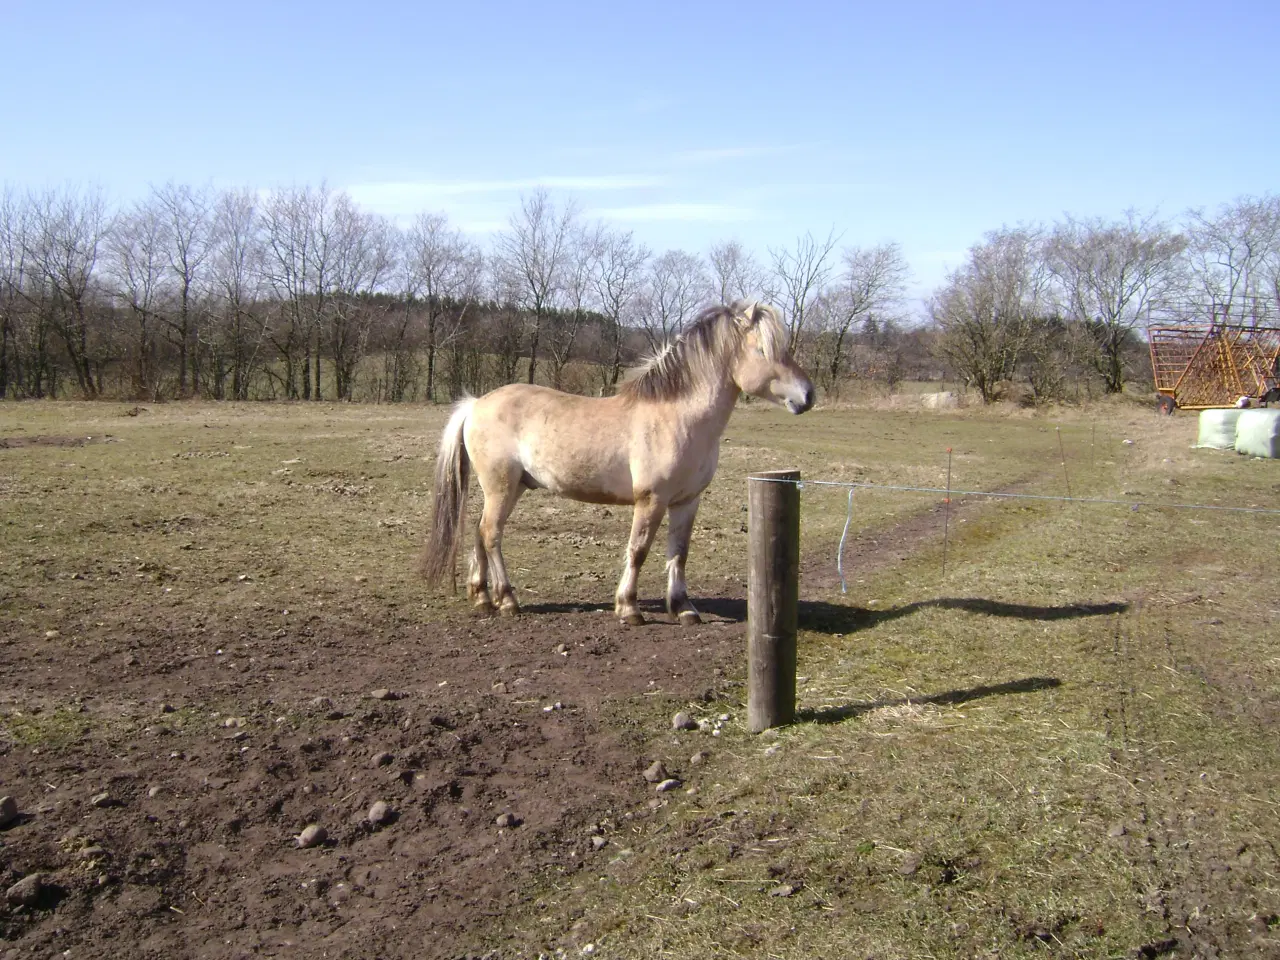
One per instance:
(644,527)
(679,529)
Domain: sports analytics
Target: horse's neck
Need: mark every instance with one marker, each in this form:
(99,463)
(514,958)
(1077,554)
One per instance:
(709,413)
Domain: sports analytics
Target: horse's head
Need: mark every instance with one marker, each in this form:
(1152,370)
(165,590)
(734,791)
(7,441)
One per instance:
(763,367)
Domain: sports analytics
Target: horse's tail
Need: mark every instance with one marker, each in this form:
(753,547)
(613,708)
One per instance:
(449,504)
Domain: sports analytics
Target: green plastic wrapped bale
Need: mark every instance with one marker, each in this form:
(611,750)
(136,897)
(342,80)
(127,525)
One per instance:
(1258,433)
(1218,428)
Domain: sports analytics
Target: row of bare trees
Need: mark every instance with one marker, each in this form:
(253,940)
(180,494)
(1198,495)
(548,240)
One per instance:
(1068,303)
(300,294)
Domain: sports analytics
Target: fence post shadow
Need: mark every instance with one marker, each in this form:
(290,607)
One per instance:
(950,698)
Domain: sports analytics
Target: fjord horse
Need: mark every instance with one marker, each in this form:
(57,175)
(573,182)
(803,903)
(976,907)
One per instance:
(654,444)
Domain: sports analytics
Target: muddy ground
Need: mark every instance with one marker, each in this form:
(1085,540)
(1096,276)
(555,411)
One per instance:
(163,829)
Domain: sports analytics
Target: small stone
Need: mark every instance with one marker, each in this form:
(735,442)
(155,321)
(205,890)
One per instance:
(92,853)
(657,772)
(380,814)
(671,783)
(499,687)
(52,634)
(682,721)
(382,693)
(506,820)
(911,864)
(699,758)
(598,843)
(131,660)
(232,723)
(562,649)
(8,811)
(239,735)
(312,836)
(784,890)
(383,758)
(155,791)
(102,800)
(1117,829)
(166,708)
(26,891)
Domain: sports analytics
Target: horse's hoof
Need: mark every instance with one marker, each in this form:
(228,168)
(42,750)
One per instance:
(634,619)
(483,611)
(511,609)
(689,618)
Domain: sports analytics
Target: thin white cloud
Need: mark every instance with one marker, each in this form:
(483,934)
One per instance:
(708,155)
(685,212)
(398,193)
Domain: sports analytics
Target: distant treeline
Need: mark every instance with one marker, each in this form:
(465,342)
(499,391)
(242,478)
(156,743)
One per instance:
(299,294)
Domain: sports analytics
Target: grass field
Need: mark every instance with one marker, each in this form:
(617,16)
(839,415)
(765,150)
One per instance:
(1064,745)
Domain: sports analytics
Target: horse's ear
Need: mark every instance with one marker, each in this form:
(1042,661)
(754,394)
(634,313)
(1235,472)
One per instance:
(746,313)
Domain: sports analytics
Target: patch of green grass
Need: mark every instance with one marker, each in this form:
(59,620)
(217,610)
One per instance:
(53,729)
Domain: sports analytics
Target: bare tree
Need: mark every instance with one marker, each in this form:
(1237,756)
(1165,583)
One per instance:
(138,248)
(867,291)
(13,280)
(802,272)
(988,309)
(533,253)
(675,286)
(1235,259)
(735,273)
(579,297)
(63,243)
(442,266)
(237,284)
(1111,273)
(189,235)
(362,255)
(618,276)
(301,248)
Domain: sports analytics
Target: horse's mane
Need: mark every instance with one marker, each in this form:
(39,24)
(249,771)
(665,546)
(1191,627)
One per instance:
(696,359)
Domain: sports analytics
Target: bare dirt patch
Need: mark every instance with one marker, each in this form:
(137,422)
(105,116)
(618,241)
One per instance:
(192,850)
(15,443)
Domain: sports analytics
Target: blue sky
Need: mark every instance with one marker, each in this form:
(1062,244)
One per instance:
(924,123)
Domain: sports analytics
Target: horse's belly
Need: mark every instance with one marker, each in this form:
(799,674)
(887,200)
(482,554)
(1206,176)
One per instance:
(580,479)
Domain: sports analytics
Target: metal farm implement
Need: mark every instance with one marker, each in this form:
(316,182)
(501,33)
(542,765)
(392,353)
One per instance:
(1198,366)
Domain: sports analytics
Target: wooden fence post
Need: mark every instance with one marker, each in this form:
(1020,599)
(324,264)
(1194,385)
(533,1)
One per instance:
(773,588)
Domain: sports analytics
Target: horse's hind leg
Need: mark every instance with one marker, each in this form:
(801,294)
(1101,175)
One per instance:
(679,529)
(500,496)
(478,584)
(644,527)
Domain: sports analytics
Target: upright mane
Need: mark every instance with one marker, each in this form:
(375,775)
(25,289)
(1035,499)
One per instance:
(696,359)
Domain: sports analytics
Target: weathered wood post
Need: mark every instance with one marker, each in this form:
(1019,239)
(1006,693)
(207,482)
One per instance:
(773,592)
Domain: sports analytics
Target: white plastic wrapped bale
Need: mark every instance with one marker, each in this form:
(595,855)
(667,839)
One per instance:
(1218,428)
(1258,433)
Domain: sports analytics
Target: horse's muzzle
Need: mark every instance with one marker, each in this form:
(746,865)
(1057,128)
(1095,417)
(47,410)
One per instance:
(803,403)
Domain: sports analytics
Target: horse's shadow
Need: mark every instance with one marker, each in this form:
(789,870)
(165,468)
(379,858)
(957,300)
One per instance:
(821,616)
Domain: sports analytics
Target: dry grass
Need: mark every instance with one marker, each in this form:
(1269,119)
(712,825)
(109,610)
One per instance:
(1054,748)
